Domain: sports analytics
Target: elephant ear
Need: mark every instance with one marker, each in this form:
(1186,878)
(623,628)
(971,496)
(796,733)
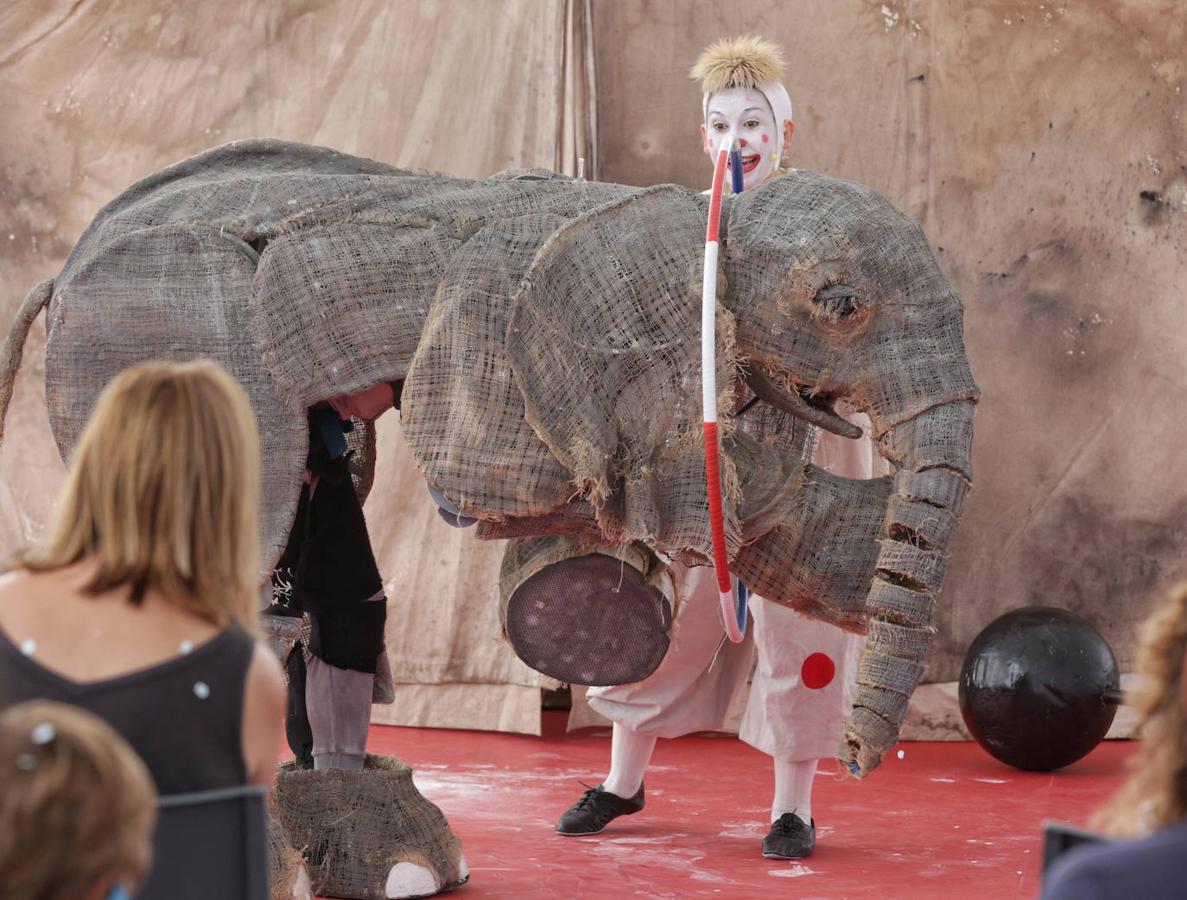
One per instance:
(462,414)
(604,341)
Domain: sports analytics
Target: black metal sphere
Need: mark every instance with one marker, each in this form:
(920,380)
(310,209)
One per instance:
(1038,688)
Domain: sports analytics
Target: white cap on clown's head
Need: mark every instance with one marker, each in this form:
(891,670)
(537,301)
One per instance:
(745,62)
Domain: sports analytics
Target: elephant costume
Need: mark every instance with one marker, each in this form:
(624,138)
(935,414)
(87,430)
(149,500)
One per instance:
(546,330)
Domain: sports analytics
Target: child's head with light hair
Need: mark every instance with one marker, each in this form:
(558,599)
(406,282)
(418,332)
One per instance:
(77,806)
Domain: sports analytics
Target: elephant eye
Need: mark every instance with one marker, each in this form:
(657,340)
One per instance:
(837,301)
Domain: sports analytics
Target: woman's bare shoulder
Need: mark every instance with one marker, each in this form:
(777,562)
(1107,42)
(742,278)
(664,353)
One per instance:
(16,585)
(15,575)
(265,682)
(23,596)
(18,581)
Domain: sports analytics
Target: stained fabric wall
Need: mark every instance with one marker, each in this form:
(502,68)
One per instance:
(94,96)
(1041,145)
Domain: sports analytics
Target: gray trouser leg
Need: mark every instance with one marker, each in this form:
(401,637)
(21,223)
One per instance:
(339,707)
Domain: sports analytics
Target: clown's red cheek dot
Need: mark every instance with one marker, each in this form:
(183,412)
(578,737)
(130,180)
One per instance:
(766,139)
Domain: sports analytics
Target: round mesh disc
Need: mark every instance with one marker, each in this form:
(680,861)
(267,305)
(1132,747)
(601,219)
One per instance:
(589,620)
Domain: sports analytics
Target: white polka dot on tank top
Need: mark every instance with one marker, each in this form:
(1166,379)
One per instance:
(201,690)
(186,647)
(29,647)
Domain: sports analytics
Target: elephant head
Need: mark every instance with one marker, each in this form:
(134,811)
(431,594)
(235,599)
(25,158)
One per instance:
(836,295)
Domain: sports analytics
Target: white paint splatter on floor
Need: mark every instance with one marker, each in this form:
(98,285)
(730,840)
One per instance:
(684,859)
(992,780)
(709,877)
(793,871)
(461,779)
(745,830)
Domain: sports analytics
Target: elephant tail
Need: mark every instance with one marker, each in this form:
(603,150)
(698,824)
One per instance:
(14,345)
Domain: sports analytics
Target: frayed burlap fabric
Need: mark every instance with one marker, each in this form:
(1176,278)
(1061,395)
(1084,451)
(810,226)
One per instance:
(353,827)
(547,333)
(286,867)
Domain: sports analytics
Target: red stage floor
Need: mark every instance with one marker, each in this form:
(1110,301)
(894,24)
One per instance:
(946,820)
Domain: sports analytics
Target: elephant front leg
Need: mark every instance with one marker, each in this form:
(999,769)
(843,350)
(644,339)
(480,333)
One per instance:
(871,555)
(865,556)
(820,557)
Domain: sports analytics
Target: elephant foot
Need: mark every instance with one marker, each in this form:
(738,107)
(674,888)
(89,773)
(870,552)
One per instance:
(369,834)
(585,617)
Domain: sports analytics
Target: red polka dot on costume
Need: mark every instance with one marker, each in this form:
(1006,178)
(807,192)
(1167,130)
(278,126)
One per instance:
(817,671)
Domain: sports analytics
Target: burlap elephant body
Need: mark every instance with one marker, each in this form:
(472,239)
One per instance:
(547,333)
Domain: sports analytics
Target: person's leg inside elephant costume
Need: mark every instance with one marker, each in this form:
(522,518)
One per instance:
(328,571)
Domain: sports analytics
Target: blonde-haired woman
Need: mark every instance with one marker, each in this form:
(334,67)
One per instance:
(139,604)
(1152,804)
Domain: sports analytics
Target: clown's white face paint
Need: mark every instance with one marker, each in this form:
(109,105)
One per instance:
(745,113)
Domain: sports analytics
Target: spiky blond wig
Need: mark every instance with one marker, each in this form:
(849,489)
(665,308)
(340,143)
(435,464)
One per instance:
(741,62)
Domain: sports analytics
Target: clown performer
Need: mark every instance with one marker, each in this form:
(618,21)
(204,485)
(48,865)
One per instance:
(802,685)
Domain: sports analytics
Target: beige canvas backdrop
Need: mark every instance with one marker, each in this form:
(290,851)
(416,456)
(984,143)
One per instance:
(1042,146)
(95,95)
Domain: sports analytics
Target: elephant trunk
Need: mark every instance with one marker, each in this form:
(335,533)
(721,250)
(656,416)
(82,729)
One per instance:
(931,453)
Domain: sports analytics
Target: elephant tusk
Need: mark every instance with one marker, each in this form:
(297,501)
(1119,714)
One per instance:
(793,403)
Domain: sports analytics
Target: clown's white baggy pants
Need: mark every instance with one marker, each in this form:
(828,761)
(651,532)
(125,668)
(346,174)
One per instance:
(803,681)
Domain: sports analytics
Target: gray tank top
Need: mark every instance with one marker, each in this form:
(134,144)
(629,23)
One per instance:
(184,716)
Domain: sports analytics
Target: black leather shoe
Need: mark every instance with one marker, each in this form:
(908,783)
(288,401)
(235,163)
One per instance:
(789,838)
(596,809)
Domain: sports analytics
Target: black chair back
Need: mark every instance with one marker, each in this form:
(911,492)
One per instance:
(1059,837)
(211,844)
